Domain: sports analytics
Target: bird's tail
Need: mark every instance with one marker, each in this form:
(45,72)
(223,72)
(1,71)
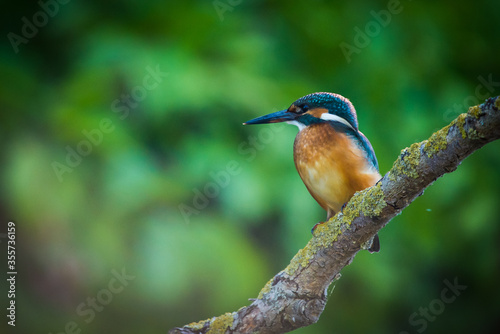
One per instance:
(375,247)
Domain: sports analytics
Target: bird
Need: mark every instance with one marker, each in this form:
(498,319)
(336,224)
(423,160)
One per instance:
(333,158)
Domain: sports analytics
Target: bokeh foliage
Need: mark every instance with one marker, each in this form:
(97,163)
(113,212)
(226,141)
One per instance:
(119,207)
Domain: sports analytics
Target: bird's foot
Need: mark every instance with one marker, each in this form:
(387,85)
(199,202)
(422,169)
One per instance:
(343,207)
(316,226)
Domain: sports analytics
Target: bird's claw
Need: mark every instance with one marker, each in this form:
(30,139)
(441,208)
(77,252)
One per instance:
(343,207)
(315,227)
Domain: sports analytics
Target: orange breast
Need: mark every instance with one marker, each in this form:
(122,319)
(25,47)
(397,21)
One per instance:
(331,165)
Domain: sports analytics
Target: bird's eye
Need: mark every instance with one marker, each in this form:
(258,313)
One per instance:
(305,108)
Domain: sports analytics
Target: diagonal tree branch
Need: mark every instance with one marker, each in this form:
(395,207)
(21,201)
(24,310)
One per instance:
(296,296)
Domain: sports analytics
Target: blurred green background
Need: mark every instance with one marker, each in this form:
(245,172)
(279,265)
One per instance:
(162,139)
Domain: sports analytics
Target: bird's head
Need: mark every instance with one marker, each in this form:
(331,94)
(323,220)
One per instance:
(314,108)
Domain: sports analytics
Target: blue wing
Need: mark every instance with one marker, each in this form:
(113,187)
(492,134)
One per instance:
(368,148)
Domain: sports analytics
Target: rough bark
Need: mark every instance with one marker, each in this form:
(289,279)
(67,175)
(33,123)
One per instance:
(296,296)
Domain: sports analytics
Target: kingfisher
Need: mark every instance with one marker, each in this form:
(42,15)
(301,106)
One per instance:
(333,158)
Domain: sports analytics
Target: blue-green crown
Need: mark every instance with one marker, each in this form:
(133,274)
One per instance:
(334,103)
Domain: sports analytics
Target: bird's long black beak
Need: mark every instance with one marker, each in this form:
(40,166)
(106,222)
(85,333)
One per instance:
(276,117)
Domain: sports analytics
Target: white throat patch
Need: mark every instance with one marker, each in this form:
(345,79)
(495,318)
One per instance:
(330,117)
(297,124)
